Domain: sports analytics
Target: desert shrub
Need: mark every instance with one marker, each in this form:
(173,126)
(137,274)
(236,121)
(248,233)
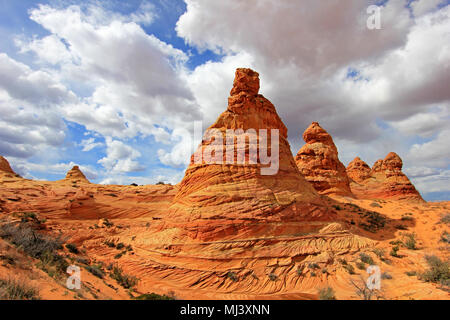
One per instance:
(366,258)
(300,270)
(386,276)
(407,218)
(107,223)
(445,237)
(8,259)
(394,251)
(375,205)
(14,289)
(361,265)
(119,255)
(313,274)
(401,227)
(96,270)
(313,266)
(153,296)
(411,273)
(438,271)
(133,185)
(410,241)
(31,242)
(350,269)
(273,277)
(126,281)
(337,207)
(160,183)
(327,294)
(72,248)
(324,271)
(110,244)
(232,276)
(445,218)
(342,261)
(373,222)
(111,195)
(120,246)
(380,253)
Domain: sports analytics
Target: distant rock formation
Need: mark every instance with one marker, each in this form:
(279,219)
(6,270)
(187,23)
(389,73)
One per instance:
(222,194)
(358,170)
(75,175)
(384,181)
(5,167)
(319,163)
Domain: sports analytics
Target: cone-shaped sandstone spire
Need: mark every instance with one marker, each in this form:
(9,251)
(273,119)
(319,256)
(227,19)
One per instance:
(384,181)
(4,166)
(318,161)
(358,170)
(75,174)
(233,191)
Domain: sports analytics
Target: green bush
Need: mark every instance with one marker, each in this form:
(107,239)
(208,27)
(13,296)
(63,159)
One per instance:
(72,248)
(12,289)
(394,251)
(232,276)
(273,277)
(350,269)
(153,296)
(327,294)
(410,241)
(366,258)
(123,279)
(445,237)
(445,218)
(438,271)
(96,270)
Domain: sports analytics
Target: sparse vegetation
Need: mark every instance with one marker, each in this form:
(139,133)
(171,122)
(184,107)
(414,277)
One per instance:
(337,207)
(110,244)
(407,218)
(445,237)
(350,269)
(273,277)
(36,245)
(373,222)
(313,266)
(300,270)
(438,271)
(445,218)
(380,253)
(394,251)
(153,296)
(386,276)
(361,265)
(366,258)
(96,270)
(15,289)
(126,281)
(72,248)
(401,227)
(327,294)
(232,276)
(411,273)
(120,246)
(410,241)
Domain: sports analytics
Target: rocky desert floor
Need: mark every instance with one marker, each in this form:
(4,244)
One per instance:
(123,227)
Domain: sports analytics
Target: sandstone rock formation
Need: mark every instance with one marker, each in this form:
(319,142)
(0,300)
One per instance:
(75,175)
(319,163)
(4,166)
(384,181)
(358,170)
(224,192)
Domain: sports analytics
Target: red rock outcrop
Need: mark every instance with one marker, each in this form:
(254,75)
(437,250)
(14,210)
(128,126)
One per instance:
(75,175)
(319,163)
(5,167)
(384,181)
(358,170)
(217,196)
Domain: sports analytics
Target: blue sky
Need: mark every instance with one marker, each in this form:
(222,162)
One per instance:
(115,86)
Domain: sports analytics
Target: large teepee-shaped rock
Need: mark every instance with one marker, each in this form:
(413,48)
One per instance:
(318,161)
(217,192)
(5,167)
(76,175)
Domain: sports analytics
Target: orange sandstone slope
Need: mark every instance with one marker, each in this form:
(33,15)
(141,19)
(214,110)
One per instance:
(384,181)
(222,192)
(318,161)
